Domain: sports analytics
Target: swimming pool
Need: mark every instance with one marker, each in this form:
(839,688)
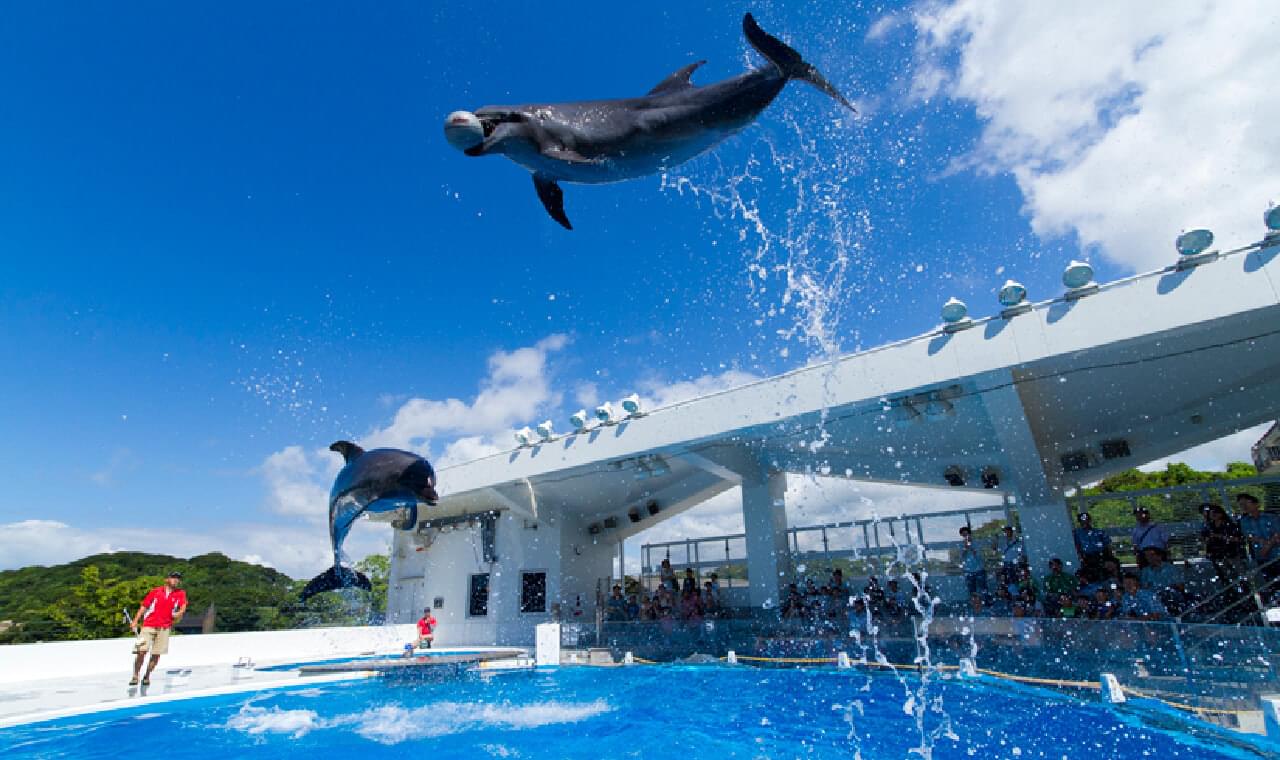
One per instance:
(370,657)
(662,711)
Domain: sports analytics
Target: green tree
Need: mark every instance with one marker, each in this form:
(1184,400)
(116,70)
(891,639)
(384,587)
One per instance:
(95,608)
(378,569)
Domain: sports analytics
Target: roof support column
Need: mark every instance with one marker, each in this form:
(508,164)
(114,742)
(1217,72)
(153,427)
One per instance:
(764,517)
(1042,508)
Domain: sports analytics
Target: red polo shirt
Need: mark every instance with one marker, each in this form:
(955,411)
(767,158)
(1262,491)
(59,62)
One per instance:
(426,625)
(159,605)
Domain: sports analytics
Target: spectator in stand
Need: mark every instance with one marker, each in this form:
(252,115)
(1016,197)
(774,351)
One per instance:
(1058,584)
(710,599)
(666,602)
(649,609)
(1148,534)
(1103,606)
(1223,543)
(667,574)
(977,607)
(793,605)
(1013,556)
(1002,604)
(1094,547)
(897,603)
(690,605)
(715,584)
(1139,603)
(971,564)
(1164,579)
(874,594)
(615,610)
(1073,606)
(690,581)
(1262,534)
(633,608)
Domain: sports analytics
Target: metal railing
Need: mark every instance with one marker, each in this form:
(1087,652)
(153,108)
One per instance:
(861,546)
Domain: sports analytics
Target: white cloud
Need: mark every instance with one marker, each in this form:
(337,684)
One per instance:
(517,386)
(1120,123)
(297,551)
(292,484)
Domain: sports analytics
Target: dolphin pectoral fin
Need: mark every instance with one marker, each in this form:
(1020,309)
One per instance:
(410,520)
(792,65)
(336,577)
(678,80)
(552,198)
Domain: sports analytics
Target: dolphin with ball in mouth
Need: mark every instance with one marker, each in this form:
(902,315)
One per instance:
(594,142)
(382,480)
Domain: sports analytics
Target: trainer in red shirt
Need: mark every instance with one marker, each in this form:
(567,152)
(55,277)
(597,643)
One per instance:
(160,609)
(426,628)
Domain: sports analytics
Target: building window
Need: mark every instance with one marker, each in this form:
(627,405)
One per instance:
(533,592)
(478,596)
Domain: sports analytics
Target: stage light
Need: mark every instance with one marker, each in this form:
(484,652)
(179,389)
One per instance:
(1012,294)
(631,405)
(1078,274)
(579,420)
(954,310)
(545,430)
(1193,242)
(604,413)
(524,436)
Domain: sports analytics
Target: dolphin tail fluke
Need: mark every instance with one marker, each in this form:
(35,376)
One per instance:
(335,578)
(788,60)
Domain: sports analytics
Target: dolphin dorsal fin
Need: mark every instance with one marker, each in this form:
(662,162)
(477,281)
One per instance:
(347,449)
(677,81)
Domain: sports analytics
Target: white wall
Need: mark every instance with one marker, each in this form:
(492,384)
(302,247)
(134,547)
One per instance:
(61,659)
(562,549)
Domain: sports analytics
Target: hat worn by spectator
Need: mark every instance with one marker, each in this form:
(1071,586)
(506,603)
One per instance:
(174,574)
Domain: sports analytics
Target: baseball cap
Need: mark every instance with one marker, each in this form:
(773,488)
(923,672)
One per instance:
(174,574)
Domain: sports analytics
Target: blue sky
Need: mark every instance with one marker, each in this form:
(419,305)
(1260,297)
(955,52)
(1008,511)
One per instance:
(234,231)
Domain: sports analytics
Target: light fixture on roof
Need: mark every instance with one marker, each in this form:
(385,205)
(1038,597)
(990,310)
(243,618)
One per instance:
(954,310)
(1013,297)
(545,430)
(1192,242)
(1271,218)
(524,436)
(631,405)
(1193,248)
(1078,277)
(1077,274)
(579,420)
(955,315)
(604,413)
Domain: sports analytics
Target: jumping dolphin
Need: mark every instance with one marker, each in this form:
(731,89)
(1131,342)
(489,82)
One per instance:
(599,141)
(381,480)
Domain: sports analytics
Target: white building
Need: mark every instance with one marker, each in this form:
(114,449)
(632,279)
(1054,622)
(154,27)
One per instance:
(1028,402)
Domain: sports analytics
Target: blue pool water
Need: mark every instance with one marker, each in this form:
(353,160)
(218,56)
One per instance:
(593,713)
(339,660)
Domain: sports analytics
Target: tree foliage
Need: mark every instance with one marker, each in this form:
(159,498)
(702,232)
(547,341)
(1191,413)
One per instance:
(86,598)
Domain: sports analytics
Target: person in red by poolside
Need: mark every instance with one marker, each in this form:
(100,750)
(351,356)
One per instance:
(426,628)
(160,609)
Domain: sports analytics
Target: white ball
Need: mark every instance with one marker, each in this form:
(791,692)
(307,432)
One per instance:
(463,130)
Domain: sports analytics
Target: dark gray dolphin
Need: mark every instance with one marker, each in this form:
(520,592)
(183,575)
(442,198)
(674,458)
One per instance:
(381,480)
(613,140)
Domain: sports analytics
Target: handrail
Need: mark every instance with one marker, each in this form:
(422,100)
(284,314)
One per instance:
(1255,594)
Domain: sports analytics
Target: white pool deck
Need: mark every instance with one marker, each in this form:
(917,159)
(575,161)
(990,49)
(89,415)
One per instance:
(41,682)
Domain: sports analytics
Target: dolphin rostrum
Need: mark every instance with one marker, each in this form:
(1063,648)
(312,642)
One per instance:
(381,480)
(599,141)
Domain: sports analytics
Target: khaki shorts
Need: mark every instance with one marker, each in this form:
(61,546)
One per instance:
(153,640)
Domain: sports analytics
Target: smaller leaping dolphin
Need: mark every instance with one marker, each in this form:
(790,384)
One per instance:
(381,480)
(600,141)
